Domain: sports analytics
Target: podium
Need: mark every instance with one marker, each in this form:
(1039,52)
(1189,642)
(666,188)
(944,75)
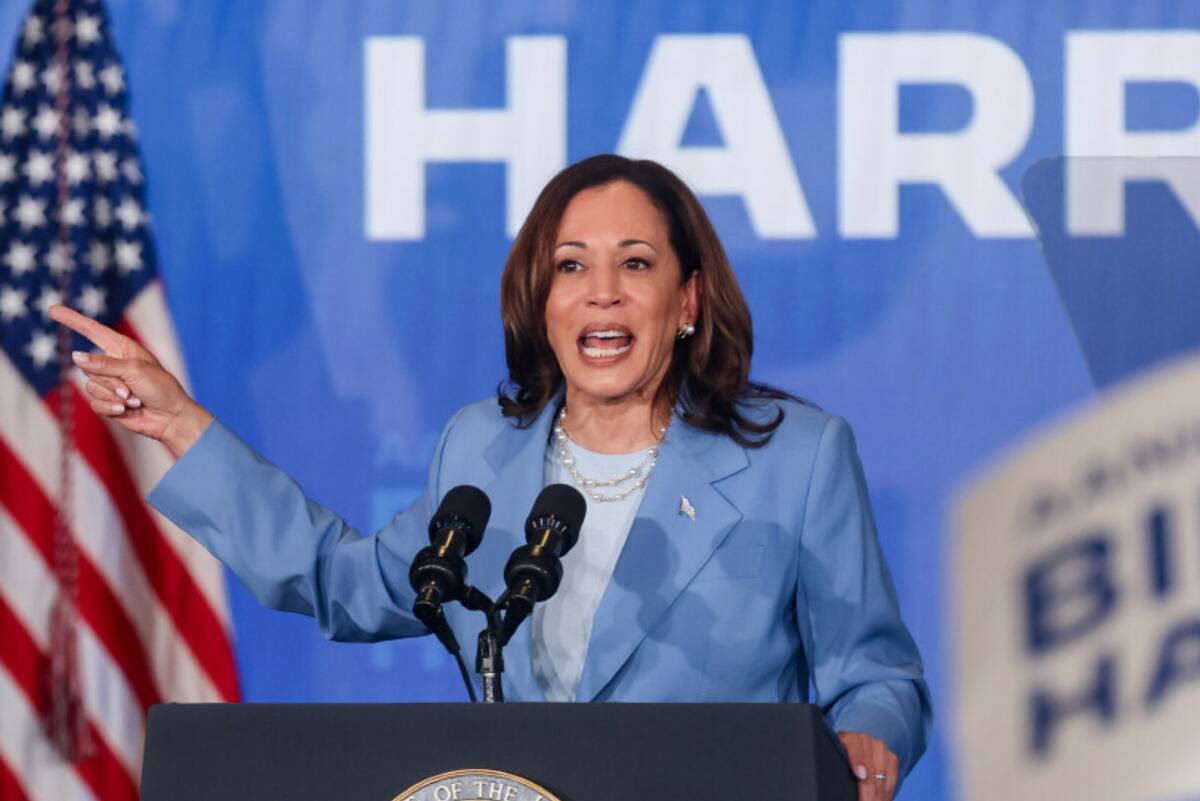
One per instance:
(578,752)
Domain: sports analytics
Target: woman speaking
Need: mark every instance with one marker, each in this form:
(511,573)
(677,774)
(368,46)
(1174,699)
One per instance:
(728,552)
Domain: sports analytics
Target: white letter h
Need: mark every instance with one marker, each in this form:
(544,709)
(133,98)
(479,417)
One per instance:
(402,135)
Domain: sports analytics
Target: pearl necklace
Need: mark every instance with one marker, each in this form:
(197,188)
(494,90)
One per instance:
(639,474)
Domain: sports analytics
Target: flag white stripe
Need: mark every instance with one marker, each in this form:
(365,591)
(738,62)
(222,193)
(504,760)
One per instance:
(102,536)
(21,410)
(28,590)
(38,767)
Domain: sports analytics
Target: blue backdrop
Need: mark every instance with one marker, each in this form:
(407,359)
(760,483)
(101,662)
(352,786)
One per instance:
(340,356)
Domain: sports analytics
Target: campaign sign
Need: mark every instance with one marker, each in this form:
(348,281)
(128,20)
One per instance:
(1077,613)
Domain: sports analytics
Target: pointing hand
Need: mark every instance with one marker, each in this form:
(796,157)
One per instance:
(127,384)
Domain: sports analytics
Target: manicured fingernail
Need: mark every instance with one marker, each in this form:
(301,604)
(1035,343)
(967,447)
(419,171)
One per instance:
(79,356)
(118,408)
(861,772)
(133,403)
(124,393)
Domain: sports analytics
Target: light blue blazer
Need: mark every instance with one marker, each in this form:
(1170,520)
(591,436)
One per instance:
(777,583)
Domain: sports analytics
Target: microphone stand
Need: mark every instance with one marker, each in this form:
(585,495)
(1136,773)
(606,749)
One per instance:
(489,664)
(489,653)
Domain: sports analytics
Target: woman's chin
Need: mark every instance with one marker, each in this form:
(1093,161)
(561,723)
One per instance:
(607,387)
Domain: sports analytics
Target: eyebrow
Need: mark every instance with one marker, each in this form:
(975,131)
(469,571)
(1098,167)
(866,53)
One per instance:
(624,243)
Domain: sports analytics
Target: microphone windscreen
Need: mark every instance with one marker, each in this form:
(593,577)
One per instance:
(465,507)
(567,505)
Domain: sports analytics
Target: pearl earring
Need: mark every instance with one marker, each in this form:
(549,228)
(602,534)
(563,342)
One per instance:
(685,331)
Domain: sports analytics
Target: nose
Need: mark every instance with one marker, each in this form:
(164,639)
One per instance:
(604,287)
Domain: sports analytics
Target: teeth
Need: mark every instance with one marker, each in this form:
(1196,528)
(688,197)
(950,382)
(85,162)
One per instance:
(600,353)
(606,334)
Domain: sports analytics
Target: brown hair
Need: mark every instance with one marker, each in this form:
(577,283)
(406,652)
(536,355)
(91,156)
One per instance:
(709,373)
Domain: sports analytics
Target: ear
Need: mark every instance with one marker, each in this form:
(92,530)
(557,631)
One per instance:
(692,288)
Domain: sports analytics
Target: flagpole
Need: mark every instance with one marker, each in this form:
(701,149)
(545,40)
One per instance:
(66,724)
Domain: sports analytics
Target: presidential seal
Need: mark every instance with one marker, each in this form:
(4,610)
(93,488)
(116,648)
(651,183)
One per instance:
(475,784)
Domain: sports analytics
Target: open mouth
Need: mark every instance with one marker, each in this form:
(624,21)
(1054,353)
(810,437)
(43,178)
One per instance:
(605,341)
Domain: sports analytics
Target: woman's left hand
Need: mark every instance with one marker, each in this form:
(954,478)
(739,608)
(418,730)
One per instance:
(875,767)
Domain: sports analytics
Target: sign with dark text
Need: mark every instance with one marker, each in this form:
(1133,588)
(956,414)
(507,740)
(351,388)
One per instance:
(1077,611)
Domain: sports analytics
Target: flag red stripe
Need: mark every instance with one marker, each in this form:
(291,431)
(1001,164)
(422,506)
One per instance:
(194,618)
(33,513)
(10,788)
(28,666)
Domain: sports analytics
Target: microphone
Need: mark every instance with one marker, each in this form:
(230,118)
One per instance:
(534,570)
(439,570)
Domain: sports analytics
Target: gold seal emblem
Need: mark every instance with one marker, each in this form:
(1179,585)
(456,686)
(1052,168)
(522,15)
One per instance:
(475,784)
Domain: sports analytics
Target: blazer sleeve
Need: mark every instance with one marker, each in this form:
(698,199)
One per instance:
(866,671)
(291,552)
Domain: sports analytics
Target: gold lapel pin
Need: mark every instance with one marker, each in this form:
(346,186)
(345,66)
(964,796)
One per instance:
(686,508)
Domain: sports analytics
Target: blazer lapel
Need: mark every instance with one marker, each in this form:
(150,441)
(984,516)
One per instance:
(665,548)
(517,456)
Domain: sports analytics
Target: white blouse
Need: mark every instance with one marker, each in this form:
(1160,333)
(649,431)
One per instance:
(562,625)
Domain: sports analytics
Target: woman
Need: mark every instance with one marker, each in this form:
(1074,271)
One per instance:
(748,563)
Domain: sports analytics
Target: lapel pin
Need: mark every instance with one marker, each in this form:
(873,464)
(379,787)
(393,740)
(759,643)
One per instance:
(686,508)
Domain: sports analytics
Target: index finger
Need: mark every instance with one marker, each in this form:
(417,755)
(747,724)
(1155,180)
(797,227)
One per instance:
(100,335)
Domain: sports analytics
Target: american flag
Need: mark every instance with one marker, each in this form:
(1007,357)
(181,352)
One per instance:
(105,607)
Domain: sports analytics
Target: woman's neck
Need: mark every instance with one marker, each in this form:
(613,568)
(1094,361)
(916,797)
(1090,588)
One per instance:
(619,426)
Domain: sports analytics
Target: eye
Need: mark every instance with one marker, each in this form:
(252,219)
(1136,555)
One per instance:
(568,266)
(637,264)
